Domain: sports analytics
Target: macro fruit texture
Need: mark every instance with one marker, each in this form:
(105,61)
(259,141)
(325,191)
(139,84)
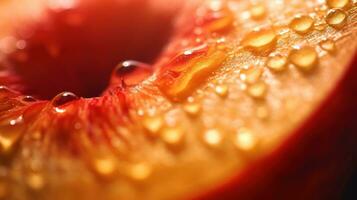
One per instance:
(205,99)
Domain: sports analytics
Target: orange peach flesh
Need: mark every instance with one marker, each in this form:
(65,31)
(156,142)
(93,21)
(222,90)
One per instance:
(187,152)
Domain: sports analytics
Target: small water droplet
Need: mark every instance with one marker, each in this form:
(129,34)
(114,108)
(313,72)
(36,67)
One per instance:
(245,140)
(63,98)
(260,40)
(10,133)
(304,58)
(213,137)
(153,124)
(172,135)
(131,72)
(251,75)
(336,18)
(277,63)
(257,90)
(258,11)
(28,99)
(35,181)
(218,21)
(193,109)
(105,166)
(328,45)
(302,24)
(221,90)
(338,3)
(140,171)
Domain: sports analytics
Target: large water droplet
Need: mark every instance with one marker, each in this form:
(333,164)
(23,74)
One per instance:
(260,40)
(336,18)
(304,58)
(63,98)
(131,72)
(302,24)
(338,3)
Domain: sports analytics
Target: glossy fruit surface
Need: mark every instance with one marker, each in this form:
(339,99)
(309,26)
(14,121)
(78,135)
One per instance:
(237,99)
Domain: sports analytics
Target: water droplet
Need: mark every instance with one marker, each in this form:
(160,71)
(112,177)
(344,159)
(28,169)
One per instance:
(193,109)
(302,24)
(153,124)
(338,3)
(172,135)
(10,133)
(218,21)
(258,11)
(245,140)
(63,98)
(336,18)
(35,181)
(131,72)
(277,63)
(251,75)
(328,45)
(213,137)
(28,99)
(260,40)
(105,166)
(221,90)
(140,171)
(257,90)
(188,71)
(304,58)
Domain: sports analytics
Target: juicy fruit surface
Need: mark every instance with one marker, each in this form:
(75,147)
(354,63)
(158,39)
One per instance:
(233,82)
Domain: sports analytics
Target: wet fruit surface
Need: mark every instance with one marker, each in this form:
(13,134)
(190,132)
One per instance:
(163,104)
